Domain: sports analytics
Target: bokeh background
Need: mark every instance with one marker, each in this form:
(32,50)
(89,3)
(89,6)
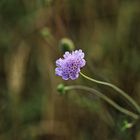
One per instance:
(108,31)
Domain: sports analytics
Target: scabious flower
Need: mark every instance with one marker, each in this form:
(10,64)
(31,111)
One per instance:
(69,66)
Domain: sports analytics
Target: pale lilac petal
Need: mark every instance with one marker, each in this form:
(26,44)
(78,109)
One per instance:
(65,76)
(58,71)
(67,54)
(83,63)
(74,76)
(59,62)
(74,52)
(80,54)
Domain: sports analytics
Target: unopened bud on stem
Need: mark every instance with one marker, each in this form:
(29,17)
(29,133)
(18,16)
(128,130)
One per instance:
(66,45)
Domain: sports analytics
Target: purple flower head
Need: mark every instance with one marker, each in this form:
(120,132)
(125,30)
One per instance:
(69,66)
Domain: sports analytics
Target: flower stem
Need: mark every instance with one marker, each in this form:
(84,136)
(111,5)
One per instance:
(115,88)
(104,97)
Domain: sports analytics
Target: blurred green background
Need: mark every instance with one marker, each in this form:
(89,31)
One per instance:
(108,31)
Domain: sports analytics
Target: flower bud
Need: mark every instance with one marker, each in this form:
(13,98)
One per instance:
(45,32)
(61,89)
(66,45)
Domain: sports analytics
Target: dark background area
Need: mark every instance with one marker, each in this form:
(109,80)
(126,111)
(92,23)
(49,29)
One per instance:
(108,31)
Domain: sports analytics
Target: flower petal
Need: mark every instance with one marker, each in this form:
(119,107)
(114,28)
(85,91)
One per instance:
(59,62)
(58,71)
(74,76)
(65,76)
(67,54)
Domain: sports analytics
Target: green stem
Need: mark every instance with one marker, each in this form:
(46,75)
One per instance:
(115,88)
(104,97)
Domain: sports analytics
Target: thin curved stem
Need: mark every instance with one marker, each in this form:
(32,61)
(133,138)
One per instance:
(104,97)
(115,88)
